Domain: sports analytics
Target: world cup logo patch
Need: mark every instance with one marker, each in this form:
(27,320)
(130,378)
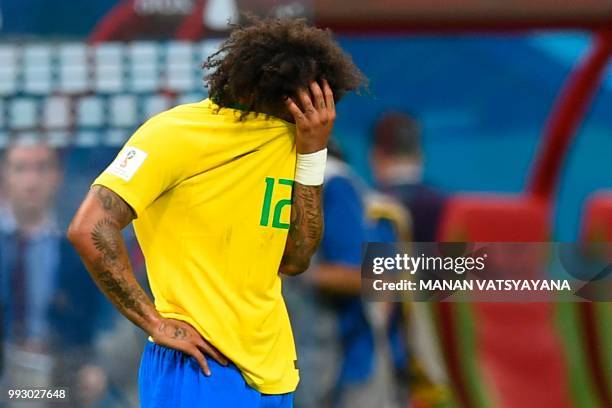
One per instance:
(129,155)
(127,163)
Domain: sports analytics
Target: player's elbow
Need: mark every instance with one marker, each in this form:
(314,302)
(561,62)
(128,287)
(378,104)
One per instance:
(73,233)
(76,233)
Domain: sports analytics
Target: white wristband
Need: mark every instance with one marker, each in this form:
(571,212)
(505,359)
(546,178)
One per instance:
(310,168)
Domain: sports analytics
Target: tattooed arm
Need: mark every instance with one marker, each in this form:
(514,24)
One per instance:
(95,232)
(305,229)
(314,120)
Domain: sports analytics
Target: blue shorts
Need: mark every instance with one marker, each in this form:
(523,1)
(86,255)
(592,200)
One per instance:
(170,378)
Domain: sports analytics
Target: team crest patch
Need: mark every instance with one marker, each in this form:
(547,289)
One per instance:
(127,163)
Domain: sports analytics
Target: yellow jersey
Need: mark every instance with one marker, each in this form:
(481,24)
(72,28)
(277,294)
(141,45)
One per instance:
(212,196)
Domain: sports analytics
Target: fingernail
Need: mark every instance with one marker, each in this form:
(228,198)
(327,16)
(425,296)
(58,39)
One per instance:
(207,373)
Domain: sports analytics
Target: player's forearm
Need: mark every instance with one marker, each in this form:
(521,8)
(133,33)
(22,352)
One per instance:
(95,232)
(305,229)
(103,251)
(314,120)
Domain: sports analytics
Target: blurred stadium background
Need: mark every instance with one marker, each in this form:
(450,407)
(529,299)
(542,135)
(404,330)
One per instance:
(513,100)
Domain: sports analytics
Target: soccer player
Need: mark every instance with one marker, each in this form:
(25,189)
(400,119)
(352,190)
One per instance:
(225,195)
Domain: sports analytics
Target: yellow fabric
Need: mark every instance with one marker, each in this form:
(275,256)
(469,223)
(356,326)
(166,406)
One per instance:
(212,245)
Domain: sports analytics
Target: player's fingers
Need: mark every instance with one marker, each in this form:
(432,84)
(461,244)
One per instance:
(195,352)
(306,102)
(329,97)
(295,110)
(216,355)
(213,352)
(317,94)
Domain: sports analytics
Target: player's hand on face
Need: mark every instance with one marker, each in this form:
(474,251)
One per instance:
(314,116)
(181,336)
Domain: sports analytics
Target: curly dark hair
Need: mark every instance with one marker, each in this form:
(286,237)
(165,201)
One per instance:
(265,60)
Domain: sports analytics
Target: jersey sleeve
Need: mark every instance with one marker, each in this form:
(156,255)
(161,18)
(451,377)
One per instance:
(344,229)
(152,161)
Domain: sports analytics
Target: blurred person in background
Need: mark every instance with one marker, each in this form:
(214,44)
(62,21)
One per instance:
(349,358)
(47,297)
(397,163)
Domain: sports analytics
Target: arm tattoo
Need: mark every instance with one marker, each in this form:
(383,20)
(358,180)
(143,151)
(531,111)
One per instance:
(111,265)
(105,239)
(306,228)
(114,205)
(106,257)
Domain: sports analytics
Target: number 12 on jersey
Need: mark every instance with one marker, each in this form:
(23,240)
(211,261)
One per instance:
(278,207)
